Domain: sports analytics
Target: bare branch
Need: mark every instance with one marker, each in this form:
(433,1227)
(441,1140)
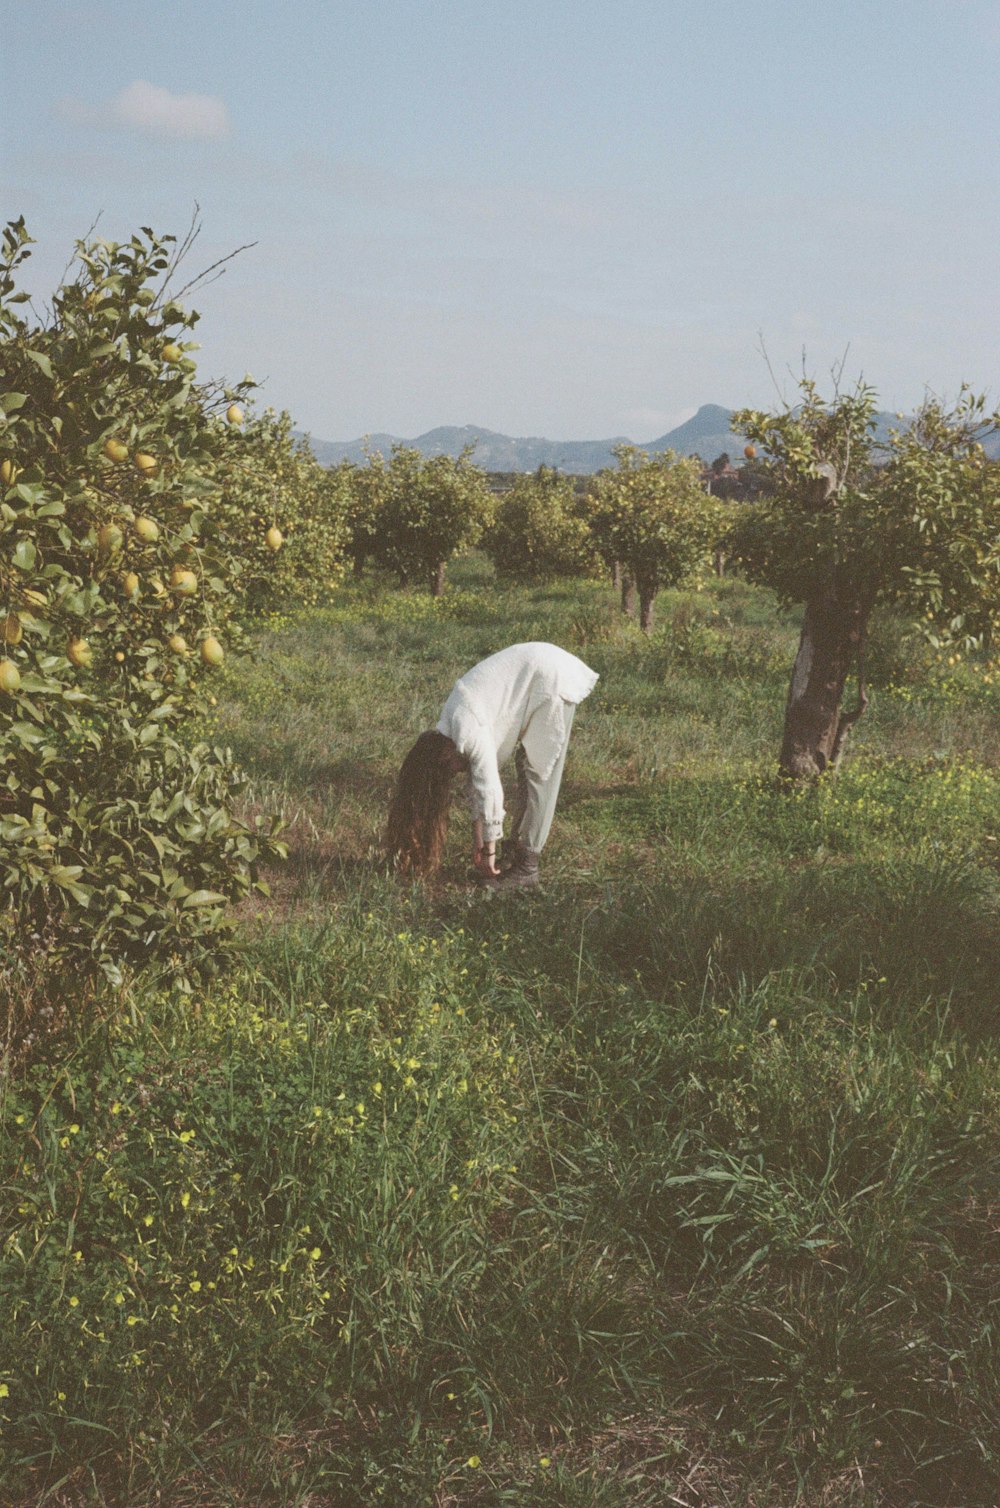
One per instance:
(837,371)
(770,368)
(219,268)
(183,246)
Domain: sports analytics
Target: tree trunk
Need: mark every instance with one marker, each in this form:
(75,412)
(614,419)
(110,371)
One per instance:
(616,575)
(628,594)
(647,597)
(437,578)
(831,644)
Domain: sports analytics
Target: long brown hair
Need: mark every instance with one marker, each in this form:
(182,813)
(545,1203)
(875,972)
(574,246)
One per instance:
(418,816)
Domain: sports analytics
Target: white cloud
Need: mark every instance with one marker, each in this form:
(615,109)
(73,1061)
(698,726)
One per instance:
(154,111)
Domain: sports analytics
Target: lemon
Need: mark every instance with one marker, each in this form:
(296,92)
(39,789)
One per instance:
(79,651)
(109,539)
(147,529)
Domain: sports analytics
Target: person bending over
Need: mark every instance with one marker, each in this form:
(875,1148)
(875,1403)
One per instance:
(517,702)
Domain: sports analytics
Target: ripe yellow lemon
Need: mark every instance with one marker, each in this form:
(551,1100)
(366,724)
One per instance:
(8,473)
(234,414)
(10,676)
(79,651)
(13,633)
(274,538)
(130,582)
(212,651)
(120,656)
(749,451)
(178,644)
(146,463)
(147,529)
(109,539)
(171,353)
(115,450)
(183,582)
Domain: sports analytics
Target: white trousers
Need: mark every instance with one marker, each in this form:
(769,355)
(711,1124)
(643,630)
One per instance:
(535,802)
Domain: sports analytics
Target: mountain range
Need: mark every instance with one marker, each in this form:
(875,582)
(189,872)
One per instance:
(706,434)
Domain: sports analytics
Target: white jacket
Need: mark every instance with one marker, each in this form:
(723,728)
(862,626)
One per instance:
(515,696)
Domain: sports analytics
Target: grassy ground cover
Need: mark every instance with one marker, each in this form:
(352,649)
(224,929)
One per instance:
(675,1184)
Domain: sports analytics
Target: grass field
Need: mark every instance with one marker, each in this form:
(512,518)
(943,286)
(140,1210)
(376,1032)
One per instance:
(677,1183)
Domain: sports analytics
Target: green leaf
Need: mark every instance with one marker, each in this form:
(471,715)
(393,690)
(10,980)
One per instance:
(204,898)
(24,555)
(42,362)
(11,402)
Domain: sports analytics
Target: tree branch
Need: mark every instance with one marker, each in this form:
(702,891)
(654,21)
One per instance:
(847,720)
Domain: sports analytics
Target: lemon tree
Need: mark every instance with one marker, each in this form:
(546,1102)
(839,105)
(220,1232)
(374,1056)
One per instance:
(846,529)
(281,514)
(539,530)
(652,517)
(433,508)
(120,591)
(367,492)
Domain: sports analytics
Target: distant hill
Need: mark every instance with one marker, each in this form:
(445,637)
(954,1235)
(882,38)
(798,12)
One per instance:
(493,451)
(707,434)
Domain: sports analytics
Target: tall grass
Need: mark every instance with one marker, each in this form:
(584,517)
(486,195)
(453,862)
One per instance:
(677,1183)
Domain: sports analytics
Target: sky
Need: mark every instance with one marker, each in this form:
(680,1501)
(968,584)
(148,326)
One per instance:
(569,218)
